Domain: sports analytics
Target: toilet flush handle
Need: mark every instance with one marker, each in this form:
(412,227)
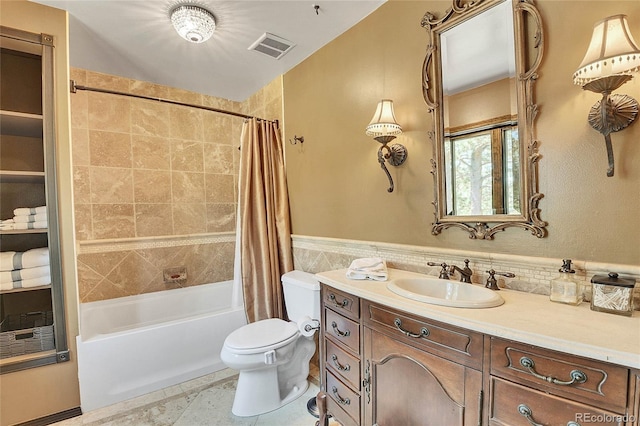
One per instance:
(270,357)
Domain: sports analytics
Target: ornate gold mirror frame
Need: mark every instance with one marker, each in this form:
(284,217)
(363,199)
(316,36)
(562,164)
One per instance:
(528,56)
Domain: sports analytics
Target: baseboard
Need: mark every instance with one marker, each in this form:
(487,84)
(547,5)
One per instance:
(54,418)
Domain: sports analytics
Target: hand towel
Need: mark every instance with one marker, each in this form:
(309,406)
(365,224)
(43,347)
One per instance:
(28,225)
(40,217)
(369,268)
(34,282)
(10,260)
(24,274)
(22,211)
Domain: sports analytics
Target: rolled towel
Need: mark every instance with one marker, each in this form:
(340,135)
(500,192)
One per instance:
(369,268)
(10,260)
(24,211)
(24,274)
(34,282)
(40,217)
(28,225)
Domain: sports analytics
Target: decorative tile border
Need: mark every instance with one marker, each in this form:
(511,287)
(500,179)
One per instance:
(533,274)
(127,244)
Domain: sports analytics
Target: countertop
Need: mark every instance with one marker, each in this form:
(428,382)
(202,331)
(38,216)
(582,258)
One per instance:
(524,317)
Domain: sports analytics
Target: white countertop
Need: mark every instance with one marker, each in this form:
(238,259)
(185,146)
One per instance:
(524,317)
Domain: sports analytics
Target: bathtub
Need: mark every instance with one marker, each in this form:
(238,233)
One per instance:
(134,345)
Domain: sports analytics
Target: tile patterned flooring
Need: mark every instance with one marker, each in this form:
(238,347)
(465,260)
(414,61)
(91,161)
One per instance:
(203,401)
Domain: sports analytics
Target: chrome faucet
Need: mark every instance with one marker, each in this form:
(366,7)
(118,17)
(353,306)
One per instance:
(492,282)
(465,273)
(444,273)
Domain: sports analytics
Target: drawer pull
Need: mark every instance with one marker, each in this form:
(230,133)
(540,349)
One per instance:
(338,332)
(341,400)
(577,376)
(526,412)
(339,366)
(424,332)
(344,303)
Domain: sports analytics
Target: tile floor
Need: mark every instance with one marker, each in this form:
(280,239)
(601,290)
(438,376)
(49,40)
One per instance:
(203,401)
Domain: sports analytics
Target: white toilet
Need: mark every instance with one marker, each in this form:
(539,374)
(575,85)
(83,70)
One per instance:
(273,355)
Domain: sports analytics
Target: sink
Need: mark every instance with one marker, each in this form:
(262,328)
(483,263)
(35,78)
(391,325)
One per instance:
(445,292)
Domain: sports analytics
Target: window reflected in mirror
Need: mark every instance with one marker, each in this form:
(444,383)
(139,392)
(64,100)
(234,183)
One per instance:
(482,170)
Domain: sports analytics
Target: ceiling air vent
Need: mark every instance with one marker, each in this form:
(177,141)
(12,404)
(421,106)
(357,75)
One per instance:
(272,45)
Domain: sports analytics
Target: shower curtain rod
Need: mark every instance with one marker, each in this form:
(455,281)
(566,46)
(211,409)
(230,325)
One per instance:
(75,87)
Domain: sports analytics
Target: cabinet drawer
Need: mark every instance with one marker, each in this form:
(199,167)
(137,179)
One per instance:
(585,380)
(515,405)
(342,329)
(453,343)
(343,364)
(344,303)
(342,397)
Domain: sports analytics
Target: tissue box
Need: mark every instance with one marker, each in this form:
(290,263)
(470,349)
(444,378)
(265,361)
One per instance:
(612,294)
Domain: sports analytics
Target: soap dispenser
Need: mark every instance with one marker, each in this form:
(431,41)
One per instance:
(566,288)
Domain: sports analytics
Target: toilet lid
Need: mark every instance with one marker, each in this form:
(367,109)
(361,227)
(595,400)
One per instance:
(262,333)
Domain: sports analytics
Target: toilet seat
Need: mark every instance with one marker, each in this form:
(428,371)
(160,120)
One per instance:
(261,336)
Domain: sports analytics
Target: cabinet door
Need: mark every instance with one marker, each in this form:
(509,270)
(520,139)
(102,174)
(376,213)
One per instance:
(406,386)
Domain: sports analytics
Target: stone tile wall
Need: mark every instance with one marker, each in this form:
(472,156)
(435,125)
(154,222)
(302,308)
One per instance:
(148,177)
(532,275)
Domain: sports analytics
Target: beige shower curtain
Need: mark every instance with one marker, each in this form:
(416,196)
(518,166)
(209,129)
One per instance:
(265,224)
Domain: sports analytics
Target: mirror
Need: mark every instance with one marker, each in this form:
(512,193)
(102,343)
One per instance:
(478,78)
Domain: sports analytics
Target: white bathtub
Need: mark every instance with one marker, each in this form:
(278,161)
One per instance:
(134,345)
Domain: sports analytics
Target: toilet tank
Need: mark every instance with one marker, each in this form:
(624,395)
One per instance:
(301,295)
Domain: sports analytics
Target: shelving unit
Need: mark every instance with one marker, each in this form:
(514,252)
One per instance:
(32,319)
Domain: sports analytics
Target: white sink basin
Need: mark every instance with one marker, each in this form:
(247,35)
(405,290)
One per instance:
(445,292)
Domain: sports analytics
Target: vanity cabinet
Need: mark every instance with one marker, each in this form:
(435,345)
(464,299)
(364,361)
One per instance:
(419,372)
(376,370)
(530,385)
(383,366)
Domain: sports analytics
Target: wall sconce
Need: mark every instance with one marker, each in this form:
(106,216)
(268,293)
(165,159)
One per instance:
(611,58)
(384,129)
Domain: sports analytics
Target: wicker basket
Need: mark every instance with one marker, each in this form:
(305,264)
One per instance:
(26,333)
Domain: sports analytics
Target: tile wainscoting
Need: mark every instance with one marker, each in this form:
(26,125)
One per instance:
(533,274)
(123,267)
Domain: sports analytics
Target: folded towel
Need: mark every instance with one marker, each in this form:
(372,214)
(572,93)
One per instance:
(28,225)
(40,217)
(24,274)
(369,268)
(10,260)
(34,282)
(23,211)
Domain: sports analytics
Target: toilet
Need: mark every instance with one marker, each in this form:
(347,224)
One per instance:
(273,355)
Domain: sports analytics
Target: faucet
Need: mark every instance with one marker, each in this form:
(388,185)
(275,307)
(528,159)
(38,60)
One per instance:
(491,281)
(444,274)
(465,273)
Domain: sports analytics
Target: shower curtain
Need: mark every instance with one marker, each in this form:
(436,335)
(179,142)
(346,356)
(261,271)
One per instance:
(264,224)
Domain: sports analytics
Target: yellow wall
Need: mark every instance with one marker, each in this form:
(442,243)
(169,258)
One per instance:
(42,391)
(338,190)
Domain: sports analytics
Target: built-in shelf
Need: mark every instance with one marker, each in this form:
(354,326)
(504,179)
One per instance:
(17,176)
(18,290)
(21,124)
(23,231)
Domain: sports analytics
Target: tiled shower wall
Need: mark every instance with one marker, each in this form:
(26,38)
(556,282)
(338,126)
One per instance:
(155,184)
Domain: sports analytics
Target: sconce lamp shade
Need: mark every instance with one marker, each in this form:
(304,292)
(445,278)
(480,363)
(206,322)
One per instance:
(384,121)
(612,51)
(193,23)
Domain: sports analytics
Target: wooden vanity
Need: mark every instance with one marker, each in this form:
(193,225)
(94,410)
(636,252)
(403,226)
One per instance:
(387,360)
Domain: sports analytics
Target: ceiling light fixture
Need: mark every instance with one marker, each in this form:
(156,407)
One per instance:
(193,23)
